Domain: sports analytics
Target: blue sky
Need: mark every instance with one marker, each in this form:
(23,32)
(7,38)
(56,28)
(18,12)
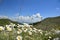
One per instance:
(47,8)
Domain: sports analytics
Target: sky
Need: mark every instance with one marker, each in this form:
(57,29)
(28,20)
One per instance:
(42,8)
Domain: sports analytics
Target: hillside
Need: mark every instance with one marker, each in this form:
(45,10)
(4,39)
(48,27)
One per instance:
(48,23)
(7,21)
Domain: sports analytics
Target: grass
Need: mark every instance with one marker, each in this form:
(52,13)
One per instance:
(38,35)
(45,25)
(48,23)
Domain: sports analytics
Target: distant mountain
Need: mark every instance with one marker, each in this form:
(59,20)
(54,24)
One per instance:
(48,23)
(7,21)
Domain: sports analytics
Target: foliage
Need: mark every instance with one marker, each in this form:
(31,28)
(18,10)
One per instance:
(25,32)
(48,23)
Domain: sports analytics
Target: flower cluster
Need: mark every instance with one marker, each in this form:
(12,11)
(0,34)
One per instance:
(25,32)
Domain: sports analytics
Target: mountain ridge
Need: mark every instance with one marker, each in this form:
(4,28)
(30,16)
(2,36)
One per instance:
(7,21)
(48,23)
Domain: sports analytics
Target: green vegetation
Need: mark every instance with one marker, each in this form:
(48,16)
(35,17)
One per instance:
(25,32)
(48,23)
(44,30)
(7,21)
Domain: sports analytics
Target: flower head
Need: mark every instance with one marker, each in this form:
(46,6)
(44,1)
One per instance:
(30,33)
(19,31)
(1,28)
(26,25)
(50,37)
(19,37)
(9,29)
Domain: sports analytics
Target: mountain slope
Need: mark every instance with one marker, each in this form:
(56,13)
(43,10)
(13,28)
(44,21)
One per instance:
(7,21)
(48,23)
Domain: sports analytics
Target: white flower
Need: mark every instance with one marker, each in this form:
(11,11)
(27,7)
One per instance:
(31,25)
(19,37)
(7,25)
(20,26)
(34,29)
(56,38)
(12,24)
(26,25)
(9,29)
(30,33)
(50,37)
(57,31)
(19,31)
(24,29)
(39,30)
(1,28)
(30,29)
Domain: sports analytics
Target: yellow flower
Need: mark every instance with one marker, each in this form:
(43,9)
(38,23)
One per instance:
(19,37)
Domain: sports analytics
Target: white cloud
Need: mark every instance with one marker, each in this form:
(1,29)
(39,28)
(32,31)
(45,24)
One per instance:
(37,15)
(4,17)
(27,19)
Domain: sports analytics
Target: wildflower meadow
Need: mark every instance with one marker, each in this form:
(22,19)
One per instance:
(25,32)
